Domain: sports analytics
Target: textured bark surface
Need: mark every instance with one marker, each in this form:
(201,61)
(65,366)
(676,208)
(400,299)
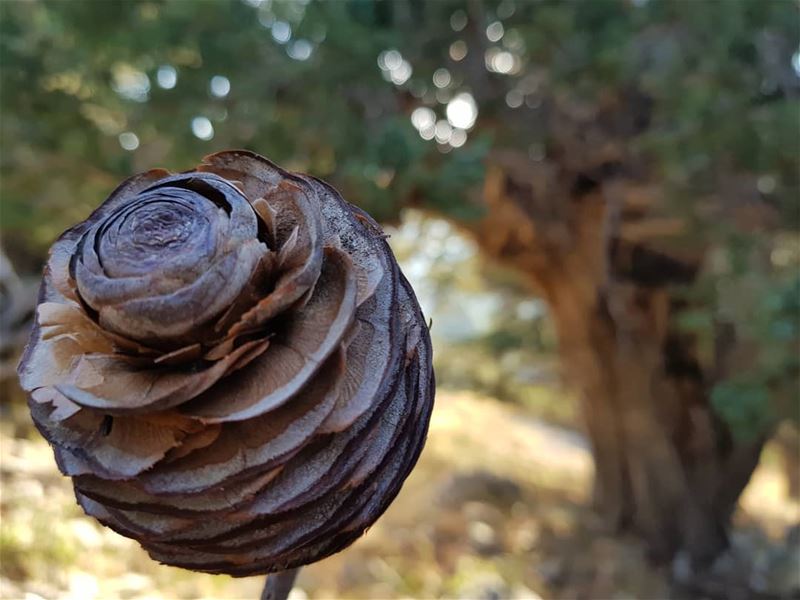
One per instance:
(598,248)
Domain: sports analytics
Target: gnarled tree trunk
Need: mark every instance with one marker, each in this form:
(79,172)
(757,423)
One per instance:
(597,250)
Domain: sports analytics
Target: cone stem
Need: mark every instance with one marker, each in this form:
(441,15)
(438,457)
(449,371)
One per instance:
(279,585)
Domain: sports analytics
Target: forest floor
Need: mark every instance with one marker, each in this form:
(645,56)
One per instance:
(496,508)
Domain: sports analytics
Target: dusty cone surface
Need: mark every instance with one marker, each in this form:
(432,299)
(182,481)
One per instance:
(230,366)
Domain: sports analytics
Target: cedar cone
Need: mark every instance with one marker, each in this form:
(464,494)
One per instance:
(230,366)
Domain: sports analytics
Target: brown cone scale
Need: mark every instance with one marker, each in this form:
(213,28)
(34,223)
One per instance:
(230,366)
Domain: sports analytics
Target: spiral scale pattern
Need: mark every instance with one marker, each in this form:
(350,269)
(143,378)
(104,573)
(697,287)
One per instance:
(230,366)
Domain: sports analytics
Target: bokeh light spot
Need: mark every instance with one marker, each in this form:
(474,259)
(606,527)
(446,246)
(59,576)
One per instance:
(443,131)
(300,50)
(131,83)
(129,141)
(505,9)
(458,20)
(202,128)
(441,78)
(166,77)
(458,50)
(394,67)
(515,98)
(495,31)
(220,86)
(458,137)
(281,32)
(462,111)
(422,118)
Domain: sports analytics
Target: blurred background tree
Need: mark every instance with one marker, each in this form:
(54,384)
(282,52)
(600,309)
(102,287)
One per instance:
(635,161)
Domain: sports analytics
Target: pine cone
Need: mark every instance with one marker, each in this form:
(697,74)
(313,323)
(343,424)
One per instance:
(230,366)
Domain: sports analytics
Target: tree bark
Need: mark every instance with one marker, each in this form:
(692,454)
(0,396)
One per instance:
(605,259)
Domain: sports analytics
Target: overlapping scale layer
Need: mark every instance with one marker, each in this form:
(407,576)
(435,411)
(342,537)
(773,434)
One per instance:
(230,366)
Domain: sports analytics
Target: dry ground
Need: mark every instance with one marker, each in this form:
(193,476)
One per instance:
(495,509)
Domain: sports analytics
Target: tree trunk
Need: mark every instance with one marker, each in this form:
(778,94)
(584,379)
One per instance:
(600,254)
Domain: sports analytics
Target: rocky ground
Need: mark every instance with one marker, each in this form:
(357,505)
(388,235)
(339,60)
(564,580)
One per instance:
(495,509)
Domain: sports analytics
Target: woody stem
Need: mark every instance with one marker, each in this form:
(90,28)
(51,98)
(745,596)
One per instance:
(278,585)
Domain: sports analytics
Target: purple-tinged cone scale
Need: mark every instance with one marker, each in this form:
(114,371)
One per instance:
(230,366)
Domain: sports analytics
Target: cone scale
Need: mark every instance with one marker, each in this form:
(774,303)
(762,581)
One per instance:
(230,366)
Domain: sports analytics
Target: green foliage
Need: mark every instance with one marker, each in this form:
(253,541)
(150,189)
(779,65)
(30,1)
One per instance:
(751,288)
(715,79)
(744,405)
(77,75)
